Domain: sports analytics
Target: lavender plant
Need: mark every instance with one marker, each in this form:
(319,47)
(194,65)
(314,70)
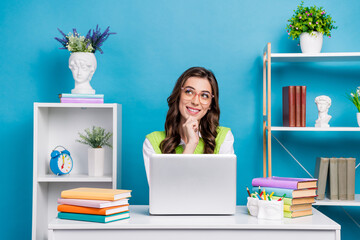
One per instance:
(74,42)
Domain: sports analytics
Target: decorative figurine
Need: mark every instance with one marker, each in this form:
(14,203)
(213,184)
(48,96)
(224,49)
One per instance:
(323,104)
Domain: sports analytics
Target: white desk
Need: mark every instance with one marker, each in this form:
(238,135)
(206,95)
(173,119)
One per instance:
(240,226)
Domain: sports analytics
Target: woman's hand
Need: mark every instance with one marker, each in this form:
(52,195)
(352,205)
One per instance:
(191,132)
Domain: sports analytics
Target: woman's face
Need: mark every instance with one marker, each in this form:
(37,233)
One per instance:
(191,106)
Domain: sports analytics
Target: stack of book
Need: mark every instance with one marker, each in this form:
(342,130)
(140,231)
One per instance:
(81,98)
(94,204)
(294,106)
(336,178)
(298,194)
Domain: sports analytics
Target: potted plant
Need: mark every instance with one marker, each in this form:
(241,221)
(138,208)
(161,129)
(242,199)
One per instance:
(96,138)
(310,24)
(355,99)
(82,61)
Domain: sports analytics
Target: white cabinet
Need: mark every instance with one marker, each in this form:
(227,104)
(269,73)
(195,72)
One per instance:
(268,59)
(59,124)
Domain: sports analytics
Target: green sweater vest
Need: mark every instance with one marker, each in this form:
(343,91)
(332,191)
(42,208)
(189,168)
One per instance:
(157,137)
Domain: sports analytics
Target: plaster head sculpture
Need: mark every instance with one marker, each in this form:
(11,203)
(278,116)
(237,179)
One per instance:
(323,104)
(83,66)
(273,210)
(253,206)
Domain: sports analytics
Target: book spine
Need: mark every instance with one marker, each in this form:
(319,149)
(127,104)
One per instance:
(303,107)
(297,106)
(342,178)
(333,175)
(81,100)
(321,172)
(289,106)
(71,95)
(266,182)
(350,184)
(277,191)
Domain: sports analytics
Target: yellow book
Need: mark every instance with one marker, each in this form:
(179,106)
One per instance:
(297,207)
(96,193)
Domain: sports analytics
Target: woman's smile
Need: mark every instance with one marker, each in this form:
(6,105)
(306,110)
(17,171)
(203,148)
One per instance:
(193,111)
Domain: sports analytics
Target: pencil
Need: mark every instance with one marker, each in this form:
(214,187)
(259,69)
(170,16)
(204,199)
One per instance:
(247,189)
(258,195)
(259,190)
(280,199)
(269,198)
(271,194)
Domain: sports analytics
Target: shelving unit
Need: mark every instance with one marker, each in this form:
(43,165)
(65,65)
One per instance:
(268,58)
(59,124)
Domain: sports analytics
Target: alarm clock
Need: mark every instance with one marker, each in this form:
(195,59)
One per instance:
(61,162)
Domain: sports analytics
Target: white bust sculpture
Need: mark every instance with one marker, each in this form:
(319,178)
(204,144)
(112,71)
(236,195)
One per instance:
(323,104)
(83,66)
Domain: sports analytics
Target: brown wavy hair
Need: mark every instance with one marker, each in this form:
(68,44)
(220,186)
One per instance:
(208,123)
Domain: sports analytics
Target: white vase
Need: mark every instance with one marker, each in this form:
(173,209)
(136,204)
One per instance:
(96,158)
(311,43)
(82,66)
(358,118)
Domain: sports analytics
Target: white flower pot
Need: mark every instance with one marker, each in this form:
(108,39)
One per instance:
(358,118)
(96,158)
(82,66)
(311,43)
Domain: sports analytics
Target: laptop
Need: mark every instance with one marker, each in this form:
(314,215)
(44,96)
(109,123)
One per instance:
(192,184)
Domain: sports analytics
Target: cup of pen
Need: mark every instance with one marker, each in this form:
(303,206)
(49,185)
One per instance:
(262,207)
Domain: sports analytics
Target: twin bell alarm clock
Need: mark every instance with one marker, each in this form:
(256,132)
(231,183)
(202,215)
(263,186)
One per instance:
(61,162)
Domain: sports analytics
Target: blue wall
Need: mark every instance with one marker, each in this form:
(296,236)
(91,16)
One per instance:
(155,42)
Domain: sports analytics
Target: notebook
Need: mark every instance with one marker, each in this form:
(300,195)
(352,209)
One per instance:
(182,184)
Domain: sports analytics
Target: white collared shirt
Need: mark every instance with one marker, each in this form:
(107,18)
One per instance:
(227,147)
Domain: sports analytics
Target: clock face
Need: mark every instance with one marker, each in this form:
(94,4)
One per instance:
(65,163)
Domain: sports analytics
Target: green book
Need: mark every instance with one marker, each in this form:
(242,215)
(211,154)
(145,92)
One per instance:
(94,218)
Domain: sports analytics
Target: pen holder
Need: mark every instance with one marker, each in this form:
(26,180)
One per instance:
(253,206)
(273,210)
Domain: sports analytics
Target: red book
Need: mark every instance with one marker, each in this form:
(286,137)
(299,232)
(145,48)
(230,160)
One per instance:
(303,107)
(289,106)
(297,106)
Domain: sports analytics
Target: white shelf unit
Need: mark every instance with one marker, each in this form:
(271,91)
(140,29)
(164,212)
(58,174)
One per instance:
(268,58)
(59,124)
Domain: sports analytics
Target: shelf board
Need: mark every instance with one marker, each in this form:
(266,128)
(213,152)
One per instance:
(328,202)
(315,129)
(75,105)
(73,178)
(317,57)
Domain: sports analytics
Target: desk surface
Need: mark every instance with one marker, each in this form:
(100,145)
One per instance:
(140,219)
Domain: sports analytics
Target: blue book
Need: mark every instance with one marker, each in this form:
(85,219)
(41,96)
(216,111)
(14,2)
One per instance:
(94,218)
(71,95)
(290,193)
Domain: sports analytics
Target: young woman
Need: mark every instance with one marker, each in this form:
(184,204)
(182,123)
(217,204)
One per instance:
(192,121)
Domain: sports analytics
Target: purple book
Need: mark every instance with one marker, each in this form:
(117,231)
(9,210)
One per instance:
(92,203)
(283,182)
(81,100)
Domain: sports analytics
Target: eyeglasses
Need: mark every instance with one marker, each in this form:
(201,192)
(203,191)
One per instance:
(190,93)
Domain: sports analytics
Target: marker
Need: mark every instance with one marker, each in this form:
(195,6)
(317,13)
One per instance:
(247,189)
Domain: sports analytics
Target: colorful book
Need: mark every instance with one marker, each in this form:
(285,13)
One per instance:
(321,173)
(289,106)
(93,218)
(297,106)
(350,183)
(342,178)
(294,214)
(95,211)
(303,107)
(96,193)
(92,203)
(81,100)
(76,95)
(295,201)
(297,207)
(285,182)
(290,193)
